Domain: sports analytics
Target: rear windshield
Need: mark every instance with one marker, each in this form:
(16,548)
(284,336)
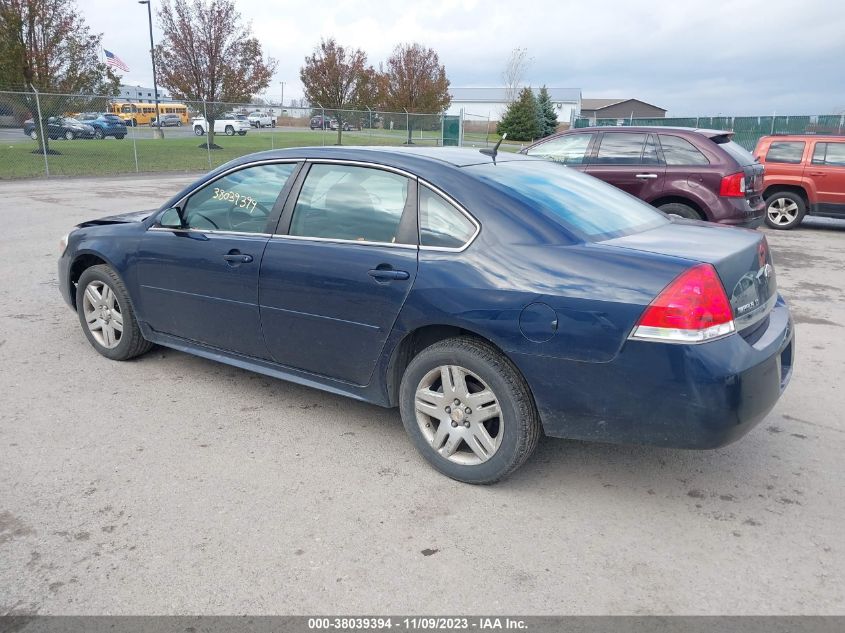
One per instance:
(737,151)
(589,208)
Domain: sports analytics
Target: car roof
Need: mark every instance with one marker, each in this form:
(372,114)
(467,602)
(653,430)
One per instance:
(652,128)
(803,137)
(409,158)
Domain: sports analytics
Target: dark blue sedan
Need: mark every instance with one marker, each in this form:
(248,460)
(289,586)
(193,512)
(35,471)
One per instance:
(490,300)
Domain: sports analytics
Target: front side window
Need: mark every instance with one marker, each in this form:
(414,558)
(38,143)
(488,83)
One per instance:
(441,223)
(570,149)
(621,148)
(240,201)
(832,154)
(346,202)
(785,152)
(679,151)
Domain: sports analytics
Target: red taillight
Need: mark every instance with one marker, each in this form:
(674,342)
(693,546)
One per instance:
(733,186)
(691,309)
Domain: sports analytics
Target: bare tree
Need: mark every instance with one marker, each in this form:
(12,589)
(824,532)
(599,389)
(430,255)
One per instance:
(337,78)
(208,54)
(46,45)
(415,81)
(514,72)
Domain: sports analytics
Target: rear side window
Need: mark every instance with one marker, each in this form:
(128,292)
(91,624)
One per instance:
(345,202)
(441,223)
(679,151)
(569,150)
(735,150)
(785,152)
(622,148)
(832,154)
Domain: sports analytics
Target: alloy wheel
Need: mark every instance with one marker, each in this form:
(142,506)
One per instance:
(103,314)
(459,415)
(782,211)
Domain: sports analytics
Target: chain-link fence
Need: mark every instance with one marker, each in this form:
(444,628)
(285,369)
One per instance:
(88,135)
(747,129)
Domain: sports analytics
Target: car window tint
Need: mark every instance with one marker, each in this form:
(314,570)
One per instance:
(832,154)
(588,207)
(785,152)
(240,201)
(621,148)
(679,151)
(441,223)
(650,151)
(569,149)
(345,202)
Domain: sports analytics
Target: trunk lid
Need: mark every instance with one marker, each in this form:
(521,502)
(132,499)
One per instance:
(741,257)
(749,165)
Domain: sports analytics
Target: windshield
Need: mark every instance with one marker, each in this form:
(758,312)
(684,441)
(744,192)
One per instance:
(586,206)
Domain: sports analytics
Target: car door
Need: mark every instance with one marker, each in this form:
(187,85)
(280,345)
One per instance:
(336,275)
(827,171)
(629,160)
(570,149)
(199,281)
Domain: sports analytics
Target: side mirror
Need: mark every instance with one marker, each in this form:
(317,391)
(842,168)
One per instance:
(171,219)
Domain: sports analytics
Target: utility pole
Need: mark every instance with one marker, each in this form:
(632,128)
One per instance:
(158,132)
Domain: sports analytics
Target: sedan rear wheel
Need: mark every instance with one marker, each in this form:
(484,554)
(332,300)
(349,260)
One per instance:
(468,410)
(98,134)
(784,210)
(69,135)
(106,314)
(230,131)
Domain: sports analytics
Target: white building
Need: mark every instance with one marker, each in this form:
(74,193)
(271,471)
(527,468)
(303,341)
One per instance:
(481,103)
(141,94)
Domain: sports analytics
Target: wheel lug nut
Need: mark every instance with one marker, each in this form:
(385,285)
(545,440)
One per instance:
(454,424)
(466,424)
(457,402)
(448,409)
(468,410)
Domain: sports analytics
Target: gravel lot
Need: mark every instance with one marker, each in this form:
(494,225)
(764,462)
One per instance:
(173,484)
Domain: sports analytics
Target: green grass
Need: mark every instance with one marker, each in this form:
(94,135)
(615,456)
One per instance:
(176,155)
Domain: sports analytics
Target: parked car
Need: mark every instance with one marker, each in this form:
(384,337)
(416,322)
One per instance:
(805,175)
(320,122)
(261,119)
(347,126)
(693,173)
(167,120)
(59,127)
(104,124)
(489,301)
(228,124)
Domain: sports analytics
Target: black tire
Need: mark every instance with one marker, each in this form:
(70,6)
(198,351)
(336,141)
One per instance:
(33,135)
(681,209)
(273,124)
(178,124)
(198,131)
(119,136)
(98,134)
(242,133)
(520,422)
(69,136)
(776,206)
(230,131)
(131,343)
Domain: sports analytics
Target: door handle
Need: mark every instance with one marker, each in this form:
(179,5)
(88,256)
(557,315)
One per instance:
(388,273)
(646,176)
(817,173)
(237,258)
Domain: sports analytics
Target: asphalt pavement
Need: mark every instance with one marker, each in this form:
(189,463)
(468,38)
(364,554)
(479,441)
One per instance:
(172,484)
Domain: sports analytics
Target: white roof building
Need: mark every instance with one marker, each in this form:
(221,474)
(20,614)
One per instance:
(481,103)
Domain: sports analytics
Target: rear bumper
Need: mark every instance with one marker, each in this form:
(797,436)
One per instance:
(681,396)
(742,212)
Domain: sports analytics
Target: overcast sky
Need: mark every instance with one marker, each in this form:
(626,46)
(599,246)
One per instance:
(693,58)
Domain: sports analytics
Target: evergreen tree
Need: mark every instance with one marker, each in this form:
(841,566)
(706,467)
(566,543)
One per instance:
(548,116)
(521,121)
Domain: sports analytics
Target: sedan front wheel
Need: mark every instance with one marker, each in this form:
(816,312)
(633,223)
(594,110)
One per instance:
(468,410)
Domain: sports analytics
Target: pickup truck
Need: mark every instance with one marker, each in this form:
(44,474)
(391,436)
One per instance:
(260,119)
(225,124)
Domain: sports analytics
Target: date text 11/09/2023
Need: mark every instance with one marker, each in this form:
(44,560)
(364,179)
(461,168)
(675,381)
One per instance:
(423,623)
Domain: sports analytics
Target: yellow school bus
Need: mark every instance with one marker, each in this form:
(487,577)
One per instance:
(134,113)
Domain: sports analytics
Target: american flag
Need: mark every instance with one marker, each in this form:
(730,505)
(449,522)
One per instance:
(114,60)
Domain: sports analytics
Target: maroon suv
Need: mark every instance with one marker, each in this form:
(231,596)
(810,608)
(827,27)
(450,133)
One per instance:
(700,174)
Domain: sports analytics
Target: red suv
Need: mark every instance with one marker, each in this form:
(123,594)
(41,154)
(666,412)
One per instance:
(699,174)
(805,174)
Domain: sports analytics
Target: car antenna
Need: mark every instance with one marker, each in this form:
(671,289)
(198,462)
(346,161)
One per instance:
(492,152)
